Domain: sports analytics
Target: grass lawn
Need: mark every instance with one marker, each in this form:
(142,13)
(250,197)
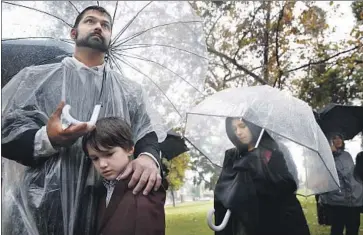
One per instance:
(190,218)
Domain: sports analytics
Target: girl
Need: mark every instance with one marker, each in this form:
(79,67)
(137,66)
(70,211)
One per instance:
(256,185)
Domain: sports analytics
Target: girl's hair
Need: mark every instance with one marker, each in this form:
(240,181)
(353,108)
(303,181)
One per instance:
(267,145)
(110,132)
(266,140)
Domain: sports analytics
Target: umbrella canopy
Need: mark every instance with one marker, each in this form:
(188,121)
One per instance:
(344,119)
(289,121)
(21,53)
(173,145)
(158,44)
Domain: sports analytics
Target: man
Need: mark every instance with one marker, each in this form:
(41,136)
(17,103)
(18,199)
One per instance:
(50,198)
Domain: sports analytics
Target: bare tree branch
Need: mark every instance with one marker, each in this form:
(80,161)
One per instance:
(258,67)
(246,32)
(239,47)
(234,77)
(266,42)
(241,75)
(215,64)
(240,67)
(322,61)
(225,76)
(214,25)
(350,73)
(213,82)
(278,78)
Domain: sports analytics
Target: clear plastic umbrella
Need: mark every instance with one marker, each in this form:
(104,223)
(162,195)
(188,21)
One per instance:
(158,44)
(288,120)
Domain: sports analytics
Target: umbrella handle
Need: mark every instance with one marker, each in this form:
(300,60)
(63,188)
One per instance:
(72,120)
(222,225)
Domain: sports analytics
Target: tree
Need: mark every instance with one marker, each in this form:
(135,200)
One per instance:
(266,42)
(357,8)
(196,192)
(339,80)
(176,168)
(205,171)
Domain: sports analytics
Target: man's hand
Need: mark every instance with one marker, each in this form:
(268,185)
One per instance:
(145,172)
(62,138)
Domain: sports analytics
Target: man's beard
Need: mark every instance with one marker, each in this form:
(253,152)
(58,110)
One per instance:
(91,42)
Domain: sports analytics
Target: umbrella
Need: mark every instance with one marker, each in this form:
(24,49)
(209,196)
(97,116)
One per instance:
(158,44)
(344,119)
(173,145)
(21,53)
(288,120)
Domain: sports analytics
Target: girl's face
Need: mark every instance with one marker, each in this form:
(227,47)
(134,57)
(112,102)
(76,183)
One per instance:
(242,132)
(337,142)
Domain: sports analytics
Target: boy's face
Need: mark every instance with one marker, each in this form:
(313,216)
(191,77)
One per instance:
(109,162)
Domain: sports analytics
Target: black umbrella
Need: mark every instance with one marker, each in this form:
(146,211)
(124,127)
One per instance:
(173,145)
(21,53)
(344,119)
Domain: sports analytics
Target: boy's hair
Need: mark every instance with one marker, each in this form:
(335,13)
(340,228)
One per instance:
(96,8)
(110,132)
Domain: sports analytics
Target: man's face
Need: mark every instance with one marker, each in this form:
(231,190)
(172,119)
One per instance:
(93,31)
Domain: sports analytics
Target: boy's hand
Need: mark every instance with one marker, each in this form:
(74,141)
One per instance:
(145,172)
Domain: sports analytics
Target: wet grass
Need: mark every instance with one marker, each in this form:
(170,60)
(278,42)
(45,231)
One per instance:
(190,218)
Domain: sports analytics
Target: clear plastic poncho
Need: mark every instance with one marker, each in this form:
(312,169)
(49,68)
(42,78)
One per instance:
(53,197)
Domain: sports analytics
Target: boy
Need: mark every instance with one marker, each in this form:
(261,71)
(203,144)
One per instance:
(110,147)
